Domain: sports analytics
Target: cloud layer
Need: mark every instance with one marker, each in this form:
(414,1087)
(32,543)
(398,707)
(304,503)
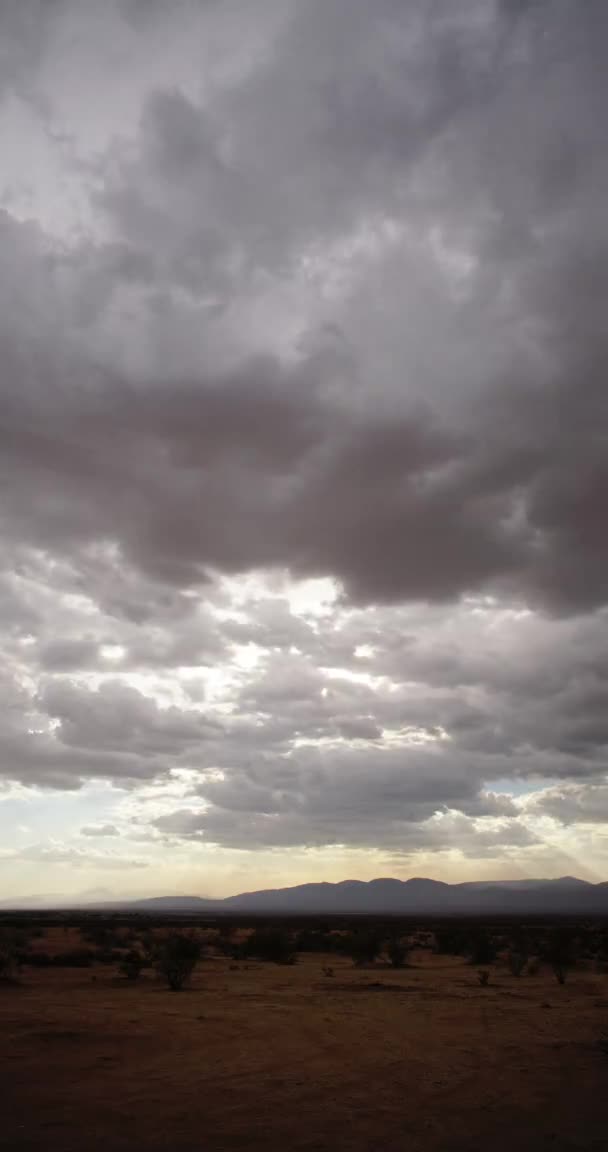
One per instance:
(304,428)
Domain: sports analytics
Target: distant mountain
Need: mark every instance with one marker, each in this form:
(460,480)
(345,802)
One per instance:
(418,896)
(174,904)
(382,895)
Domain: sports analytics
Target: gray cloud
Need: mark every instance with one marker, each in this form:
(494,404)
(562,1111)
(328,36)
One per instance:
(116,719)
(574,803)
(67,655)
(263,830)
(339,311)
(512,494)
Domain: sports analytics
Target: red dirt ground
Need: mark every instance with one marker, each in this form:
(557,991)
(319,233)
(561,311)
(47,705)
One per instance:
(267,1057)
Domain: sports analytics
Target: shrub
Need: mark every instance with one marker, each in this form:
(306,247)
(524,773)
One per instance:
(108,956)
(312,940)
(364,946)
(397,952)
(516,962)
(74,958)
(560,971)
(176,959)
(132,965)
(227,947)
(482,949)
(560,952)
(9,960)
(37,960)
(148,946)
(270,944)
(519,951)
(98,935)
(449,942)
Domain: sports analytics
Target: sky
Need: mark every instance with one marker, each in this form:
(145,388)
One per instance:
(303,443)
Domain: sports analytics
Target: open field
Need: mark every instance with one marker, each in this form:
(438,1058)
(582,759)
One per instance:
(265,1056)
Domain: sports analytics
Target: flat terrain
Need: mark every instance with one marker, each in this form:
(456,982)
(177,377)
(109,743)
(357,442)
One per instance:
(269,1057)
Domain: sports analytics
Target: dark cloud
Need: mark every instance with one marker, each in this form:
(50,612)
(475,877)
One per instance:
(337,312)
(117,718)
(575,803)
(68,733)
(422,832)
(68,655)
(259,468)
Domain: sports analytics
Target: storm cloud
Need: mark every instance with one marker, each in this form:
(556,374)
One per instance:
(304,425)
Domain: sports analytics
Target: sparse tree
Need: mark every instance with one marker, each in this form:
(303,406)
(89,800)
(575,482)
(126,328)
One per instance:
(450,941)
(397,952)
(364,946)
(9,959)
(132,965)
(516,961)
(560,971)
(519,951)
(560,953)
(483,949)
(313,940)
(270,944)
(176,959)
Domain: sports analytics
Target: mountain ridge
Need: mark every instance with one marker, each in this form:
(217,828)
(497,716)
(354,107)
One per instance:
(382,895)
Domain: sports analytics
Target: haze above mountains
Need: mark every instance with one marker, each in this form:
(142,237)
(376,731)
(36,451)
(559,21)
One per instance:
(566,895)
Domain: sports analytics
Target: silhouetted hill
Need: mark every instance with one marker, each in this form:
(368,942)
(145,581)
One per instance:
(566,895)
(418,896)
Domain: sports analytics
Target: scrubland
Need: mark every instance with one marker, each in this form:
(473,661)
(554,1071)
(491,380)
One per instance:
(321,1054)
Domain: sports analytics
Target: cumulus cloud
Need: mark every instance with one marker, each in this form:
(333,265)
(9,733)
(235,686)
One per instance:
(439,832)
(322,304)
(573,803)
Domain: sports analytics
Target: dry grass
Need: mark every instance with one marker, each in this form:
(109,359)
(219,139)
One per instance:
(264,1057)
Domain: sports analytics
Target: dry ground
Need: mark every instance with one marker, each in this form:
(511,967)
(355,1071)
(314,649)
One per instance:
(267,1057)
